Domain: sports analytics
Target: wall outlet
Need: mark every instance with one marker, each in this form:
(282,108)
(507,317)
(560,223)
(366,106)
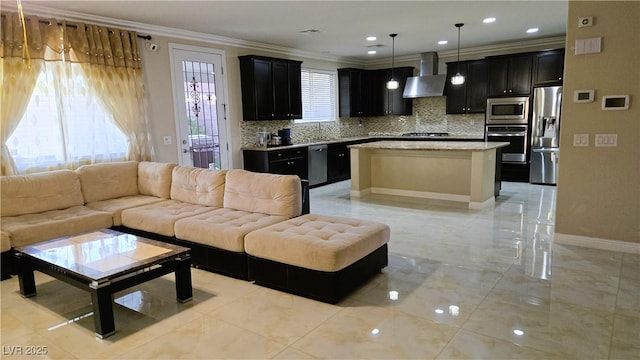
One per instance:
(167,140)
(606,140)
(580,139)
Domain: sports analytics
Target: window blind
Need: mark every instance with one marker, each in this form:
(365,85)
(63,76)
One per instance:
(318,95)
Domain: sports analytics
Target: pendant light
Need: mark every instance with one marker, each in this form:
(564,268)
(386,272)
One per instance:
(392,84)
(458,79)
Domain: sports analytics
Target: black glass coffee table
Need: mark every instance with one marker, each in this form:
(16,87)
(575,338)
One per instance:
(104,262)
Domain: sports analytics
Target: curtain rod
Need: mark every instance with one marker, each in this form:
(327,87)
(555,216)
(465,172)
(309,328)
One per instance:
(146,37)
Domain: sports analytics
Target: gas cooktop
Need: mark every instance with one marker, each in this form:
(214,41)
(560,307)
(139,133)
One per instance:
(426,134)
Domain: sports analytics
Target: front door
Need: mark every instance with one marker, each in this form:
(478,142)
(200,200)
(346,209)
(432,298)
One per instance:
(200,106)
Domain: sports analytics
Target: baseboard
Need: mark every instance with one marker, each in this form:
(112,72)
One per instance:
(475,205)
(597,243)
(421,194)
(360,193)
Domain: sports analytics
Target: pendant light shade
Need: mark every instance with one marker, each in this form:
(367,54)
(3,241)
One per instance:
(393,84)
(458,79)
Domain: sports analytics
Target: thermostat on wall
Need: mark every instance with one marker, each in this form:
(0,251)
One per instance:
(615,102)
(583,96)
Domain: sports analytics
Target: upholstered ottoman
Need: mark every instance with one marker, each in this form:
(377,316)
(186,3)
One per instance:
(317,256)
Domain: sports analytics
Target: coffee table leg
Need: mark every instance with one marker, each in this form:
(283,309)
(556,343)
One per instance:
(184,290)
(103,312)
(25,276)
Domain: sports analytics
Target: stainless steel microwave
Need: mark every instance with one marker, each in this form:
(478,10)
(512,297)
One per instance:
(509,110)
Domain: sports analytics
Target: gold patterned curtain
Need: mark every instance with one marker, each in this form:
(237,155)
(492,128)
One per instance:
(18,79)
(108,60)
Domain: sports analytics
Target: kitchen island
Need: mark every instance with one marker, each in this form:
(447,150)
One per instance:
(447,170)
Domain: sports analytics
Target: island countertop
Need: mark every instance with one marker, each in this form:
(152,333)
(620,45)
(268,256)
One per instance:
(431,145)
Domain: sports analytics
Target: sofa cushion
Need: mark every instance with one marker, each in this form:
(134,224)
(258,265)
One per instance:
(159,218)
(198,186)
(317,242)
(32,228)
(116,206)
(108,180)
(223,228)
(271,194)
(36,193)
(154,179)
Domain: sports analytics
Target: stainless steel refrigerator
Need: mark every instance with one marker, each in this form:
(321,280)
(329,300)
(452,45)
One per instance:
(545,135)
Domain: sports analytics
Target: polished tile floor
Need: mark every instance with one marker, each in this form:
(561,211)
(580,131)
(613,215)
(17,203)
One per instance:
(460,284)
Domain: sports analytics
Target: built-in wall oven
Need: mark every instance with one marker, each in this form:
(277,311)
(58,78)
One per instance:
(516,136)
(507,121)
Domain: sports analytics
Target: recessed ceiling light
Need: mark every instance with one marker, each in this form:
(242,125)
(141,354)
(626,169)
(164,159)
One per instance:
(442,42)
(489,20)
(371,38)
(532,30)
(371,52)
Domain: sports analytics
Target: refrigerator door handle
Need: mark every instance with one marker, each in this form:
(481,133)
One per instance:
(539,150)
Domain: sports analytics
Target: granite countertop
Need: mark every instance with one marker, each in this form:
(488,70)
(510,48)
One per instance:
(370,137)
(431,145)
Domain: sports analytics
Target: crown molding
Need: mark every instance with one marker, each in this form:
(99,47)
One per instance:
(504,48)
(175,33)
(510,47)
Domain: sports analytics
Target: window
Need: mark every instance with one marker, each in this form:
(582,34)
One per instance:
(64,126)
(318,95)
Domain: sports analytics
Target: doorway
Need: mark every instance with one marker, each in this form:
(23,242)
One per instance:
(202,129)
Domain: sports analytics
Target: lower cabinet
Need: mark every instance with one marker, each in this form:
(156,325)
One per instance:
(515,172)
(285,161)
(338,163)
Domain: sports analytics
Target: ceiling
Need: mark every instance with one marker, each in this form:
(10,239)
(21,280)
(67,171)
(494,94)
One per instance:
(342,25)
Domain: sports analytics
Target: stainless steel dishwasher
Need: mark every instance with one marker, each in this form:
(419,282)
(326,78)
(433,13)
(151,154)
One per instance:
(317,164)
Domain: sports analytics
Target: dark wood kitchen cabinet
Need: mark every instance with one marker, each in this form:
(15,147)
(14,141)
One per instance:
(390,102)
(509,75)
(354,86)
(364,93)
(271,88)
(292,161)
(548,68)
(338,162)
(470,97)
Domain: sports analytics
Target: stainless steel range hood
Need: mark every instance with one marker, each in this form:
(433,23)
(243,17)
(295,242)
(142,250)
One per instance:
(428,83)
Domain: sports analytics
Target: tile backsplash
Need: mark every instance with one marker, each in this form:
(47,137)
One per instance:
(428,116)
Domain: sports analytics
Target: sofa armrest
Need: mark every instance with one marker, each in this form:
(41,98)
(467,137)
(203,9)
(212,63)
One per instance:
(306,205)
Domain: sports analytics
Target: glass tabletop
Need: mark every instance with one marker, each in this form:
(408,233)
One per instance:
(103,254)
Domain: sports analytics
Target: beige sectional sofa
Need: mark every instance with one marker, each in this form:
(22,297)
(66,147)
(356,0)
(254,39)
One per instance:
(45,206)
(207,210)
(238,223)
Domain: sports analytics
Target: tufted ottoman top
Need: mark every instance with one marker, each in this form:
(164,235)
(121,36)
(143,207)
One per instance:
(317,242)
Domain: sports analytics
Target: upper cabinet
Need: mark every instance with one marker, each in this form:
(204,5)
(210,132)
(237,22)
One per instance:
(364,92)
(509,75)
(548,68)
(354,86)
(470,97)
(271,88)
(392,102)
